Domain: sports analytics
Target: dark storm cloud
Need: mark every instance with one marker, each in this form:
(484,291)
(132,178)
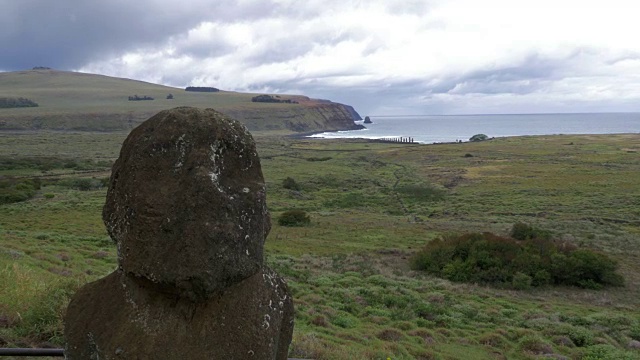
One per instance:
(67,34)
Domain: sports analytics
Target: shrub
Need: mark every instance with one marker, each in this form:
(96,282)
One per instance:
(348,200)
(7,102)
(345,321)
(49,163)
(421,192)
(324,158)
(521,281)
(82,184)
(17,190)
(534,345)
(478,137)
(290,183)
(201,89)
(606,352)
(522,231)
(390,335)
(491,259)
(634,332)
(294,218)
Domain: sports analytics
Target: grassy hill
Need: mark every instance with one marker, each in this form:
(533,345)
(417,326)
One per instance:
(80,101)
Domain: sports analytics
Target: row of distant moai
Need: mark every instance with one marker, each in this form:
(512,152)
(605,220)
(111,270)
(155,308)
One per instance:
(186,207)
(400,139)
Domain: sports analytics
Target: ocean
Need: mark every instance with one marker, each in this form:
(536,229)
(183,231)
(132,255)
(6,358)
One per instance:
(451,128)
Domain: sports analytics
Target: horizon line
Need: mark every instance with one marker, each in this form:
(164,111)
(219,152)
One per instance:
(487,114)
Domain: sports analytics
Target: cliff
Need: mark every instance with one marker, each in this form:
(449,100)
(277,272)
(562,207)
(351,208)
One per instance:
(307,116)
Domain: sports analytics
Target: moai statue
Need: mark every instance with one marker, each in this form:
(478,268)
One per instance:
(186,208)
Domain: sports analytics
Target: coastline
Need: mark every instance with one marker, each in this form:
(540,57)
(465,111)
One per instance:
(375,140)
(308,134)
(453,129)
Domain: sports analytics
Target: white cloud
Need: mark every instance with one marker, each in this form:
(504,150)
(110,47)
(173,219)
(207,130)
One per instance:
(424,56)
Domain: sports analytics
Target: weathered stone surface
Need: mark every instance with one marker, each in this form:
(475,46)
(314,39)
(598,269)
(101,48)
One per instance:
(186,202)
(186,208)
(117,318)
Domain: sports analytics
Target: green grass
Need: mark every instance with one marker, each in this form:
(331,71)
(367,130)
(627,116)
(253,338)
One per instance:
(88,102)
(372,206)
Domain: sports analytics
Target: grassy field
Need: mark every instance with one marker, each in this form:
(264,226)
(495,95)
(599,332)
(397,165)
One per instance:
(372,206)
(89,102)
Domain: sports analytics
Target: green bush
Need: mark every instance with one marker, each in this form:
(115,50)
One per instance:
(294,218)
(420,192)
(634,332)
(345,321)
(533,344)
(82,184)
(479,137)
(7,102)
(49,163)
(17,190)
(607,352)
(521,281)
(324,158)
(491,259)
(290,183)
(348,200)
(522,231)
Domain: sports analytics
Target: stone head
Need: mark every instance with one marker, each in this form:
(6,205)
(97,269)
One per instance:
(186,203)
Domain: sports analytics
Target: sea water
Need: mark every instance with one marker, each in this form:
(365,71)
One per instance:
(451,128)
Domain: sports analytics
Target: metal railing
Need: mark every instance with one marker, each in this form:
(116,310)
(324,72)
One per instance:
(31,352)
(42,352)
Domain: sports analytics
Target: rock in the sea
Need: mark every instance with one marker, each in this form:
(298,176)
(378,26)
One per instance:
(186,208)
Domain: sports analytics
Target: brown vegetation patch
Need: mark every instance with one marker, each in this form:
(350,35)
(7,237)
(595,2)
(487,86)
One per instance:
(100,254)
(426,335)
(390,335)
(59,271)
(320,321)
(492,339)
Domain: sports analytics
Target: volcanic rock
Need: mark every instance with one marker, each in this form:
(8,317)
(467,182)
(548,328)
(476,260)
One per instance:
(186,207)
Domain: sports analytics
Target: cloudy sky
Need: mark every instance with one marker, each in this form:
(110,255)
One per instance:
(381,56)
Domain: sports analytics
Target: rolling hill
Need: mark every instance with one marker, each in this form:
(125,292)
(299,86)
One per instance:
(89,102)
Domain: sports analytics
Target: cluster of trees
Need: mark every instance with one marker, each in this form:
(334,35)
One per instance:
(201,89)
(529,257)
(140,98)
(272,99)
(7,102)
